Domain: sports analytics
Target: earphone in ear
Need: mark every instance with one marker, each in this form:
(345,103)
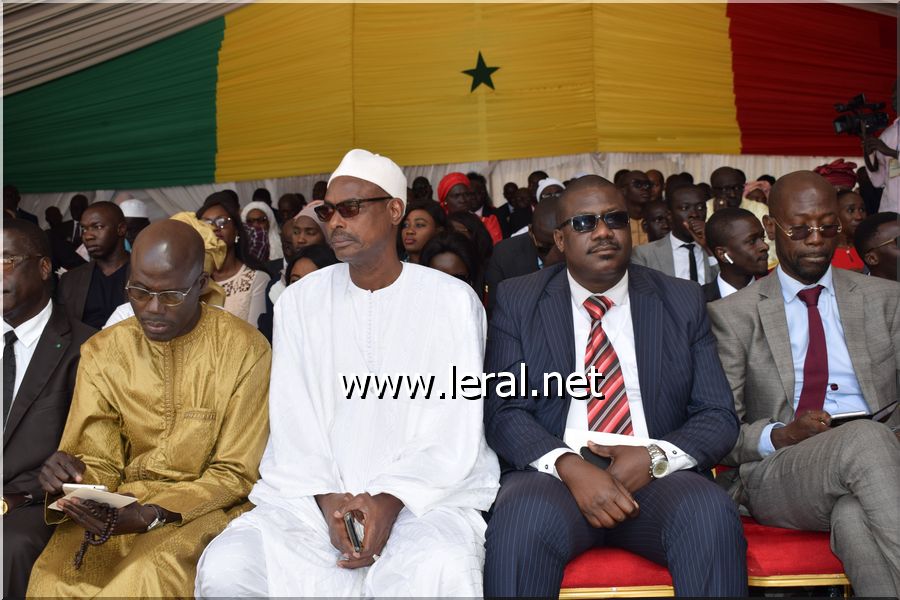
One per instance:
(728,259)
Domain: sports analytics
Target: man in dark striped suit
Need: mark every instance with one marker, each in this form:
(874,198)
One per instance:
(650,336)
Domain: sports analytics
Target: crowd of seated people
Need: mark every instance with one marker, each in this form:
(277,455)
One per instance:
(199,365)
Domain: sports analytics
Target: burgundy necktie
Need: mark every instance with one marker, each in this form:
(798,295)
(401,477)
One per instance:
(607,412)
(815,368)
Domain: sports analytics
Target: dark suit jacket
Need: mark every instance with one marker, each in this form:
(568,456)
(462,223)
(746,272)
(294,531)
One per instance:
(513,257)
(73,290)
(26,216)
(711,291)
(41,407)
(68,228)
(686,397)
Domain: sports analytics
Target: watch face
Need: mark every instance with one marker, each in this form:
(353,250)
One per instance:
(660,468)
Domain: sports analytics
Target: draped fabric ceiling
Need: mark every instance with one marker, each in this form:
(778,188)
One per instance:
(271,91)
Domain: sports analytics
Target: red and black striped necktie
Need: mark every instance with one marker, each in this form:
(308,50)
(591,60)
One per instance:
(608,411)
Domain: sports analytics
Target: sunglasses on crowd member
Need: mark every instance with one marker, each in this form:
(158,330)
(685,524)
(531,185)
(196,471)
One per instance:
(257,220)
(347,208)
(551,196)
(617,219)
(218,222)
(801,232)
(166,298)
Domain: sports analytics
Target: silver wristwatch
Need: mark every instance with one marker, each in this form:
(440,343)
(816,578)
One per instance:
(659,462)
(158,520)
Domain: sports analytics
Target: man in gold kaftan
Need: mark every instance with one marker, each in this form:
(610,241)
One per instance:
(169,406)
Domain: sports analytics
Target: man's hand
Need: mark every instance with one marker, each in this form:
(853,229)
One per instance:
(697,229)
(134,518)
(378,514)
(872,145)
(630,464)
(330,504)
(805,426)
(603,500)
(60,468)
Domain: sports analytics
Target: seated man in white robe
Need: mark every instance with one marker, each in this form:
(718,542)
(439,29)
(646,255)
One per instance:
(411,467)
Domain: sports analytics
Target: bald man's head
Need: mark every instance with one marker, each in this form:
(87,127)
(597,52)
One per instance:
(803,221)
(543,222)
(167,259)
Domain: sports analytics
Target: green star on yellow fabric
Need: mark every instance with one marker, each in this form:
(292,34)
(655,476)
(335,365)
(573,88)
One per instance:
(481,73)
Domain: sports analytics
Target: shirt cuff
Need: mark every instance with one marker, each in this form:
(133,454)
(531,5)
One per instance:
(547,463)
(765,445)
(679,460)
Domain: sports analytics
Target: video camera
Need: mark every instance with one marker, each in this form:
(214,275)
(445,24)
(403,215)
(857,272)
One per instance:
(860,115)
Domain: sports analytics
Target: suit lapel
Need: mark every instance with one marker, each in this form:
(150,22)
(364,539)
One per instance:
(51,347)
(774,323)
(82,289)
(852,314)
(555,307)
(647,321)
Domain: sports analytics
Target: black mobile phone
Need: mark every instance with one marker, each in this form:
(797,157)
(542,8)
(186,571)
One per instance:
(351,532)
(602,462)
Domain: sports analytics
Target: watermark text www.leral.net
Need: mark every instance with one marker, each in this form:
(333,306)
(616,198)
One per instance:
(472,386)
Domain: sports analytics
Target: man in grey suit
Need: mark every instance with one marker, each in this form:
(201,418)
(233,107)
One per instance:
(681,253)
(801,346)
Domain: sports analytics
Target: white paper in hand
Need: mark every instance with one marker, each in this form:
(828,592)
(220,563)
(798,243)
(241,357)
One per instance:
(110,498)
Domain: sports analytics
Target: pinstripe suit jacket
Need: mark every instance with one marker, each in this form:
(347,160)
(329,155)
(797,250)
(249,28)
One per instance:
(752,332)
(686,397)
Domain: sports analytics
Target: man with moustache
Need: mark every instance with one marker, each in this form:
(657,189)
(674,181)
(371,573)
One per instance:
(681,253)
(800,346)
(40,359)
(650,335)
(738,242)
(169,407)
(92,291)
(414,471)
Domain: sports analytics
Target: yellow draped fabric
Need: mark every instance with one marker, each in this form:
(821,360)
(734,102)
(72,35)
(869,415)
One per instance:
(299,84)
(214,255)
(180,424)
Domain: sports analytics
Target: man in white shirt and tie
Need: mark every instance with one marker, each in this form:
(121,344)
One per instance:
(680,254)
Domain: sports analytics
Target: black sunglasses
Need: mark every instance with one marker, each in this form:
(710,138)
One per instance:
(347,208)
(618,219)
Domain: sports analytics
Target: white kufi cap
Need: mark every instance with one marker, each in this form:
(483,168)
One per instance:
(373,168)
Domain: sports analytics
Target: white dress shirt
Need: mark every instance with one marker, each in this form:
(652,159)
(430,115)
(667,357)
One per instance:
(682,259)
(618,327)
(725,288)
(27,334)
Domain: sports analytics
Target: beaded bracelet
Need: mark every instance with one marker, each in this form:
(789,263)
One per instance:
(110,518)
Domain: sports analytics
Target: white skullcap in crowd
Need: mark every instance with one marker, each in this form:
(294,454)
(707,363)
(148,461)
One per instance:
(543,184)
(373,168)
(134,209)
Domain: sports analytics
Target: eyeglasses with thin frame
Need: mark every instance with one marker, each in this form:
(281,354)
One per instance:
(166,298)
(257,220)
(895,241)
(550,196)
(801,232)
(13,261)
(617,219)
(346,208)
(218,222)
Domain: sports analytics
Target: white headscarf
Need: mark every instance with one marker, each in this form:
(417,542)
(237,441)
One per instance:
(275,251)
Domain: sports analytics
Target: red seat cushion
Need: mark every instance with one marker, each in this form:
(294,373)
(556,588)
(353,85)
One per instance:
(770,551)
(612,567)
(777,551)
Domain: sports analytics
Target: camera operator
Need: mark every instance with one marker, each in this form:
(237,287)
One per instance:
(882,163)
